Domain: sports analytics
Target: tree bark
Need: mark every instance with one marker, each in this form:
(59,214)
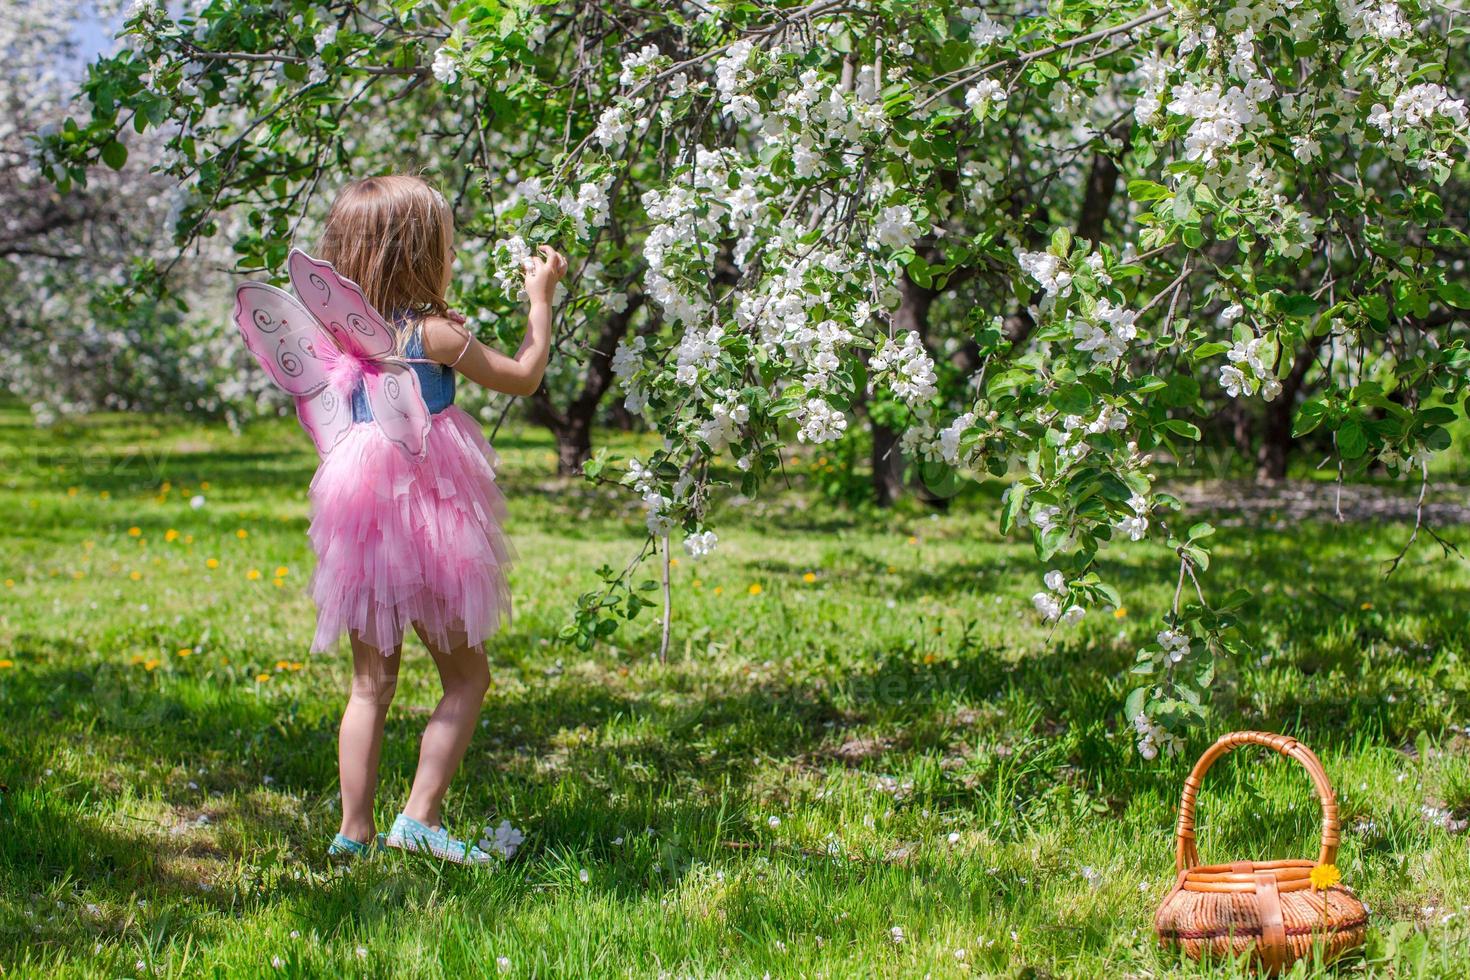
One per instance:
(572,426)
(1102,187)
(888,483)
(1274,454)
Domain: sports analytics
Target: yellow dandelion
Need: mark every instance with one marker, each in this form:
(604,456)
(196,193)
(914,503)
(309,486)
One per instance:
(135,531)
(253,574)
(297,665)
(283,665)
(150,664)
(73,491)
(1120,612)
(171,535)
(1366,606)
(278,582)
(929,658)
(262,678)
(242,534)
(204,485)
(135,575)
(137,658)
(891,569)
(212,563)
(185,652)
(809,577)
(673,561)
(167,486)
(719,590)
(104,495)
(755,588)
(282,571)
(913,540)
(6,664)
(78,574)
(1324,876)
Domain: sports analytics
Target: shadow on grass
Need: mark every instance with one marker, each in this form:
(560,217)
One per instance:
(598,760)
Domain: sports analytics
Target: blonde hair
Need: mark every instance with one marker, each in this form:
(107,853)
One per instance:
(394,237)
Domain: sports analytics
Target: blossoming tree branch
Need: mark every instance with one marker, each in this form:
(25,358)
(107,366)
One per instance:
(1042,243)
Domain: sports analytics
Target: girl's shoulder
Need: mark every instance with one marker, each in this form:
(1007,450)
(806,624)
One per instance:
(444,337)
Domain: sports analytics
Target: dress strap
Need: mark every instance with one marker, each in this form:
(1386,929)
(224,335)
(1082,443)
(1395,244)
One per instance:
(469,338)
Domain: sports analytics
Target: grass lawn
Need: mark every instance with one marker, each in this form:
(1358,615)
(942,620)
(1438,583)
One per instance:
(863,736)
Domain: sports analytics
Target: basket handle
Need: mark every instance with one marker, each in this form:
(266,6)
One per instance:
(1186,856)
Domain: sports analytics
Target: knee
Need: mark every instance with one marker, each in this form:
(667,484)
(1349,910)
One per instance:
(472,682)
(374,689)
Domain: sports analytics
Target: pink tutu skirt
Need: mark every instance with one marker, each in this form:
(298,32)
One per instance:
(401,543)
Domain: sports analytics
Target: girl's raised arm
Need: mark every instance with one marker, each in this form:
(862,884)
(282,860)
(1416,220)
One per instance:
(449,342)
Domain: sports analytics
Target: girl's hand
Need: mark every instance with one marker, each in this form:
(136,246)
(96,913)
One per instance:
(543,272)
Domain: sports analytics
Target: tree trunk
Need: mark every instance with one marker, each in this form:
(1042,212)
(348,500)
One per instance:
(1276,442)
(888,484)
(887,466)
(1275,451)
(1102,187)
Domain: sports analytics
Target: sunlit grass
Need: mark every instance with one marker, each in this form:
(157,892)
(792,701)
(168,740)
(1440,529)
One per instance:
(861,728)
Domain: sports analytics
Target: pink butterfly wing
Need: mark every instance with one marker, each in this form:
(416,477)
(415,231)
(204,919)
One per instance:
(283,337)
(341,307)
(392,387)
(398,405)
(326,416)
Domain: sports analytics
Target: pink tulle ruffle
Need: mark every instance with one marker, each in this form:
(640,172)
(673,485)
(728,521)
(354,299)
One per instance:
(401,542)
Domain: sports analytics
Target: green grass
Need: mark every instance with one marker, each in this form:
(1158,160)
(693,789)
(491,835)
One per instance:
(172,811)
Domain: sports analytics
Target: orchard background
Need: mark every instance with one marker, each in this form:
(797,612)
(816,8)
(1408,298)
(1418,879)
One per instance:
(959,415)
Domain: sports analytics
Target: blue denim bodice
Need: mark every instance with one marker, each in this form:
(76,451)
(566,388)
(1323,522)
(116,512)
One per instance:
(436,380)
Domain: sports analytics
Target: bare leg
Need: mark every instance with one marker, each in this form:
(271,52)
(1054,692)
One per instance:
(360,740)
(466,678)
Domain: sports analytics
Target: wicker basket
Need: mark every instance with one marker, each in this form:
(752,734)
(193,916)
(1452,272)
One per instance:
(1267,907)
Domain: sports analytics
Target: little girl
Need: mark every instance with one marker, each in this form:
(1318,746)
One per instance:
(400,542)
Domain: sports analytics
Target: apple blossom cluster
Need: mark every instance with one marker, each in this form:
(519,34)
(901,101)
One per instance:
(1049,604)
(1107,333)
(905,366)
(1152,737)
(1135,524)
(1249,369)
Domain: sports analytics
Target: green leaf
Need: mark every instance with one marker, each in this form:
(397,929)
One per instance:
(1455,294)
(1181,428)
(1308,417)
(114,154)
(1012,502)
(1147,190)
(1299,305)
(1352,439)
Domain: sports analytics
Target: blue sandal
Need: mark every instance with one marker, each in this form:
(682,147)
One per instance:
(344,846)
(407,834)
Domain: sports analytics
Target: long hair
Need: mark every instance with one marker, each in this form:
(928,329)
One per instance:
(394,237)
